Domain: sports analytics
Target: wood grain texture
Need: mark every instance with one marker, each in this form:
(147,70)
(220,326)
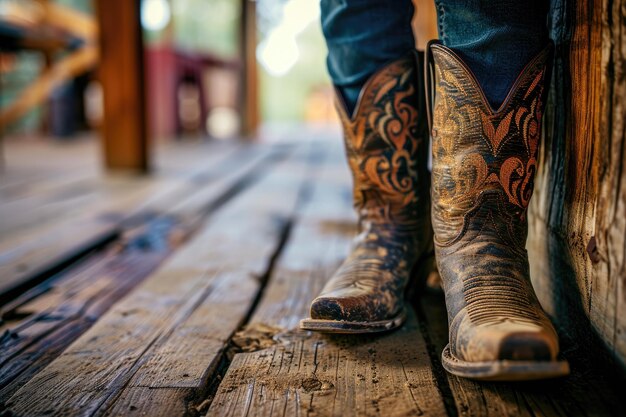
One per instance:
(119,204)
(39,324)
(70,306)
(578,213)
(199,296)
(301,373)
(126,142)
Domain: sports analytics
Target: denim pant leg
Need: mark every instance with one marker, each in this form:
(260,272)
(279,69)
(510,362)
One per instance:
(362,36)
(496,38)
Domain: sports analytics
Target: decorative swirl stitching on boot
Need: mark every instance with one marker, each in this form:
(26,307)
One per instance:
(478,149)
(386,154)
(382,148)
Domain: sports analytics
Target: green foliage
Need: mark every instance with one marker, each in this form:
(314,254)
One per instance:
(207,26)
(284,98)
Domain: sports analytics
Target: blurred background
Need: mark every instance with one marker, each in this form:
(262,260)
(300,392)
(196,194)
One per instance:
(219,69)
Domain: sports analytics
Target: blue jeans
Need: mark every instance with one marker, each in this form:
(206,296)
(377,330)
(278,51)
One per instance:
(362,36)
(495,38)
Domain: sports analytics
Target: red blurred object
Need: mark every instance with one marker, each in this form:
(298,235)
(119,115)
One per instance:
(166,70)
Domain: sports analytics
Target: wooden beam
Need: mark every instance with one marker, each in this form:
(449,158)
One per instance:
(122,76)
(577,218)
(248,95)
(38,91)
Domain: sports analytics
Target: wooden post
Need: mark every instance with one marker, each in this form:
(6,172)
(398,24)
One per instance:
(121,72)
(577,241)
(248,94)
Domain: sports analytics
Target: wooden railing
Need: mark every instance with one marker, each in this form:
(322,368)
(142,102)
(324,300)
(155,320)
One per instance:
(47,27)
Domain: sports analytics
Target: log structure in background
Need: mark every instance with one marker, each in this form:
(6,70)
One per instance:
(249,89)
(577,238)
(121,73)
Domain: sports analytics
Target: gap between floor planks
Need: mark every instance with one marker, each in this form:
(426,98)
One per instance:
(57,311)
(298,373)
(178,320)
(303,373)
(34,256)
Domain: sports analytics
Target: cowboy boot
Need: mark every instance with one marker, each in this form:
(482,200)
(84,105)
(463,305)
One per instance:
(386,144)
(484,161)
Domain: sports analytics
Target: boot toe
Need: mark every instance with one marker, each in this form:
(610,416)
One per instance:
(508,339)
(338,309)
(525,346)
(324,308)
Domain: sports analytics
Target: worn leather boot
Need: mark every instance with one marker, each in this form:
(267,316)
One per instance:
(484,161)
(386,144)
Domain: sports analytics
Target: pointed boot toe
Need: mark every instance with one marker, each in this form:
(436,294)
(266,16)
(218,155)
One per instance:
(528,346)
(355,309)
(335,308)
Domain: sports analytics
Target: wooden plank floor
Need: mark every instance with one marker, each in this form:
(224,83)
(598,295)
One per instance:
(189,304)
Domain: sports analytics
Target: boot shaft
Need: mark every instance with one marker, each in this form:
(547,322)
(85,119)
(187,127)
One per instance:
(386,144)
(484,160)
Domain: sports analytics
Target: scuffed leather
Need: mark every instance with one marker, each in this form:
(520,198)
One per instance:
(386,145)
(484,163)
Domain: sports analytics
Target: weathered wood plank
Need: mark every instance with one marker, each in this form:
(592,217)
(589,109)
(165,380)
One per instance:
(192,198)
(32,164)
(333,376)
(301,373)
(73,305)
(168,401)
(60,196)
(31,261)
(85,293)
(42,250)
(225,259)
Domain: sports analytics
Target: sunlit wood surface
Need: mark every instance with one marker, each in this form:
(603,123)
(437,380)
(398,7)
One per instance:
(180,294)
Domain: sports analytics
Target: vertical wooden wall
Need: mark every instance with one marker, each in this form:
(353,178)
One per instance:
(577,241)
(121,72)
